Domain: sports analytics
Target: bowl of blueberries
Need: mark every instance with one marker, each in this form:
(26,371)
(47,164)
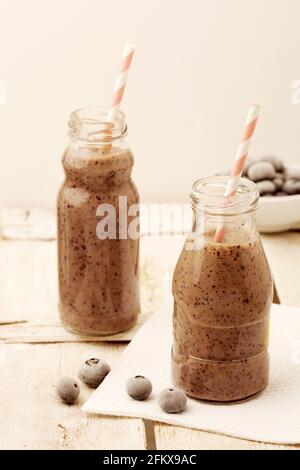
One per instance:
(279,187)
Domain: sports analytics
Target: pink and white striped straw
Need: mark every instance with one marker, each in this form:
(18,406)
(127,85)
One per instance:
(120,83)
(240,160)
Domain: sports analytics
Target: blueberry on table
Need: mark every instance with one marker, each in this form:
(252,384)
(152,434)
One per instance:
(68,390)
(172,400)
(139,387)
(93,372)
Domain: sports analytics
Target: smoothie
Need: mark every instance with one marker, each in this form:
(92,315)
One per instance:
(98,278)
(222,298)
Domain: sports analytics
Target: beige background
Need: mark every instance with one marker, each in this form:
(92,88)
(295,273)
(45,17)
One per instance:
(199,63)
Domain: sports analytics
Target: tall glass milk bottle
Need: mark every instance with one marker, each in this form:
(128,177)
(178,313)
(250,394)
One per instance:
(98,227)
(222,298)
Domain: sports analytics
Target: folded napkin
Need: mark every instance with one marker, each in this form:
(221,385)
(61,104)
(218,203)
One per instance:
(272,417)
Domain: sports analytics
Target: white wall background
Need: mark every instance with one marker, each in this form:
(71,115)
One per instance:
(198,65)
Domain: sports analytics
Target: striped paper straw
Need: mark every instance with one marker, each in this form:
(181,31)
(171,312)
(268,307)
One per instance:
(118,93)
(120,83)
(240,160)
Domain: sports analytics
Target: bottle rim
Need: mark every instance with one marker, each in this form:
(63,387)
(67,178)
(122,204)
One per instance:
(208,195)
(90,125)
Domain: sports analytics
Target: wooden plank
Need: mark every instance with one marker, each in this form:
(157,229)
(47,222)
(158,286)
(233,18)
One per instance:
(28,281)
(169,437)
(29,332)
(31,415)
(23,224)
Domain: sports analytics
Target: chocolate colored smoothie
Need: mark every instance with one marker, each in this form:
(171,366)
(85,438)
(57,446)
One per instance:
(98,278)
(222,298)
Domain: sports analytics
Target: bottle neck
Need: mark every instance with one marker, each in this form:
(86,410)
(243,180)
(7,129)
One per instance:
(212,211)
(98,156)
(91,127)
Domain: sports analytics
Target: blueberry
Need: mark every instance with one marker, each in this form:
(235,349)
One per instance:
(93,372)
(172,400)
(276,162)
(278,182)
(68,390)
(266,187)
(289,186)
(293,173)
(260,171)
(297,187)
(139,387)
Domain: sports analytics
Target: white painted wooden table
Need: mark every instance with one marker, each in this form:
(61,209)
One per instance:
(31,417)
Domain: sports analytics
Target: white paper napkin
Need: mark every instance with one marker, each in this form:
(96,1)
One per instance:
(272,417)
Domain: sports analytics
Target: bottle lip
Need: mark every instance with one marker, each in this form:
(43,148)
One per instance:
(208,196)
(90,125)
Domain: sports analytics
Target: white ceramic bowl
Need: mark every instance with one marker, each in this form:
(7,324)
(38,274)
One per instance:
(277,214)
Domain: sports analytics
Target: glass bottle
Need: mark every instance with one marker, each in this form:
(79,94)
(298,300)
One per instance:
(98,255)
(222,298)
